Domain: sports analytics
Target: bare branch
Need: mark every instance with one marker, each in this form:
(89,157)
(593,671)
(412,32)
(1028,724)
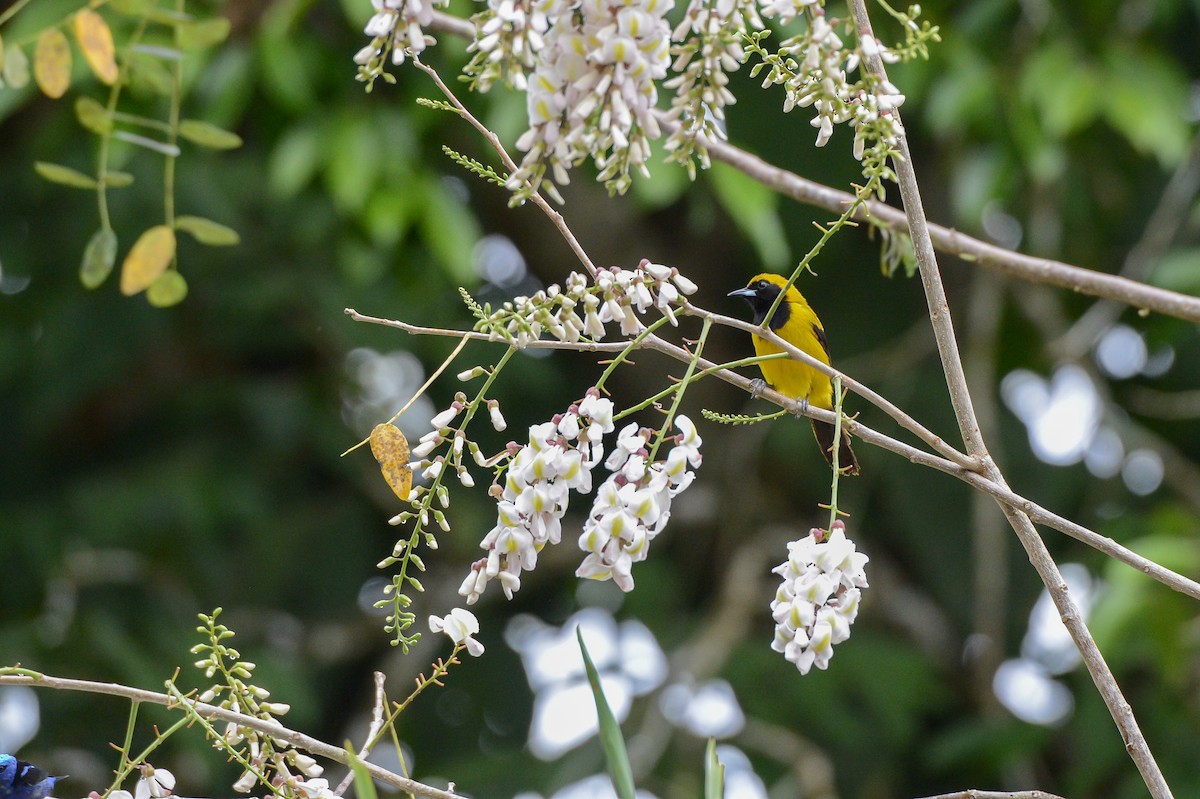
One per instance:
(948,240)
(274,729)
(1039,556)
(972,793)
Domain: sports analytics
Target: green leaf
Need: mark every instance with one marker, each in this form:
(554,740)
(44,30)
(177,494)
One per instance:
(714,772)
(1179,270)
(149,74)
(169,289)
(64,175)
(615,754)
(364,786)
(754,209)
(450,230)
(16,67)
(1146,95)
(1063,87)
(205,134)
(205,33)
(118,180)
(93,116)
(294,161)
(207,231)
(130,8)
(98,258)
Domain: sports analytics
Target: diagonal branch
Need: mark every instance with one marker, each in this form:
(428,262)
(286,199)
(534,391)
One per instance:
(274,729)
(970,249)
(1039,556)
(959,466)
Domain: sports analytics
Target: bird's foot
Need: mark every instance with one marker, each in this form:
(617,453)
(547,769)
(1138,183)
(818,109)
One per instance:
(802,408)
(757,386)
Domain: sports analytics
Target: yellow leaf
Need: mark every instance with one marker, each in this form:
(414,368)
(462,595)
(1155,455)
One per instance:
(96,41)
(52,63)
(390,448)
(152,253)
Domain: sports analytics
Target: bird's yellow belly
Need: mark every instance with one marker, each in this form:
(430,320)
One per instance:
(795,379)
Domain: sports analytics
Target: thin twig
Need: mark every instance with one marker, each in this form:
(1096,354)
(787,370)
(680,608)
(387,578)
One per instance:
(274,729)
(972,793)
(958,467)
(948,240)
(1039,556)
(378,714)
(494,140)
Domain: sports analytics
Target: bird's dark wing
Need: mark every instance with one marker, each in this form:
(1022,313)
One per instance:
(820,334)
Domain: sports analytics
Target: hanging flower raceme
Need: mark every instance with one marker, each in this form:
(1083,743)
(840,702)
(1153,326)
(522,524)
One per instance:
(818,600)
(634,503)
(594,91)
(397,25)
(581,308)
(559,458)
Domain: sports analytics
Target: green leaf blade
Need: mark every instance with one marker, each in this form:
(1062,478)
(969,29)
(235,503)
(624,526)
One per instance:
(615,753)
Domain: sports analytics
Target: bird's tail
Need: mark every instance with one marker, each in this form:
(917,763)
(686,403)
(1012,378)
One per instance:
(824,432)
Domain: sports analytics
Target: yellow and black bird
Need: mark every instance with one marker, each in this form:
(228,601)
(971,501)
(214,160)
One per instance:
(796,323)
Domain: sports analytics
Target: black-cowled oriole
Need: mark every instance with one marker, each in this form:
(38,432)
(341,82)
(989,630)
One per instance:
(796,323)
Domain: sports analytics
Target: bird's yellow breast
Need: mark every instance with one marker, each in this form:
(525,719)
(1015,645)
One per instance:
(793,378)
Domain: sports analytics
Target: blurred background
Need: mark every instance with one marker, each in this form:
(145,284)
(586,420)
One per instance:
(159,463)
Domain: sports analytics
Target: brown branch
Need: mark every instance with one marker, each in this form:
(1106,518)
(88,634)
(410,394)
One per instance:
(948,240)
(274,729)
(972,793)
(1039,556)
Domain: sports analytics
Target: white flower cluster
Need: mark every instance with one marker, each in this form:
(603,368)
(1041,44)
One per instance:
(594,91)
(396,25)
(709,48)
(559,457)
(631,507)
(813,67)
(508,37)
(818,600)
(634,503)
(581,308)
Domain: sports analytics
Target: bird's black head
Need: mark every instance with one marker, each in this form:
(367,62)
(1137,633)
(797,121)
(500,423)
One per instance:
(761,294)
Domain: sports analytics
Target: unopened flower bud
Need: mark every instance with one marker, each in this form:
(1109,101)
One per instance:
(445,417)
(471,374)
(497,417)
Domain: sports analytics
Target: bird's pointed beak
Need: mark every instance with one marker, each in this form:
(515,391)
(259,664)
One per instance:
(745,293)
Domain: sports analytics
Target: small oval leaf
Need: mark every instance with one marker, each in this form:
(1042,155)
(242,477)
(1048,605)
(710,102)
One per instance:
(93,116)
(390,448)
(52,63)
(131,8)
(98,258)
(152,253)
(147,74)
(96,41)
(16,67)
(64,175)
(207,231)
(168,290)
(118,180)
(205,33)
(205,134)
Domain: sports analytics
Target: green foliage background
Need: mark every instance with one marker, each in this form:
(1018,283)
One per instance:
(159,463)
